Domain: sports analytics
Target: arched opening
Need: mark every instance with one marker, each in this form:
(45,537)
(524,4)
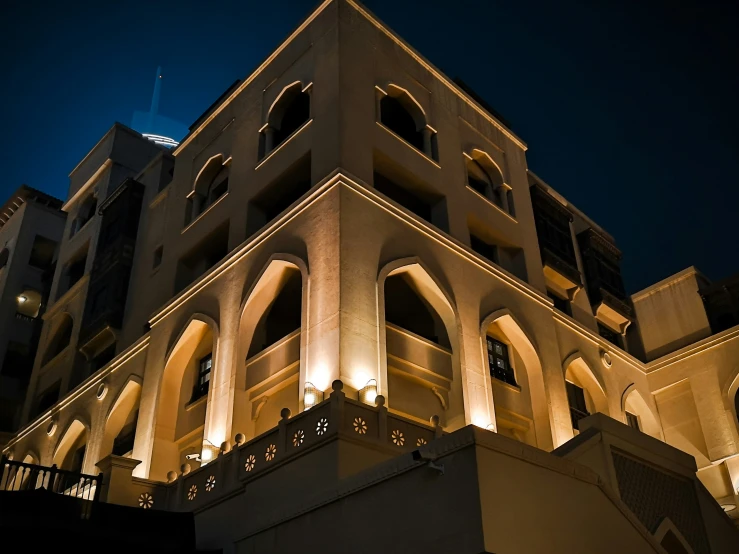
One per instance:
(289,113)
(120,426)
(270,348)
(585,395)
(485,178)
(181,406)
(516,380)
(420,373)
(210,184)
(61,335)
(407,309)
(640,416)
(400,113)
(70,452)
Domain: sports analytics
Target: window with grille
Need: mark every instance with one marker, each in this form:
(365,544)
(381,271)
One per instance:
(203,382)
(576,400)
(499,362)
(633,421)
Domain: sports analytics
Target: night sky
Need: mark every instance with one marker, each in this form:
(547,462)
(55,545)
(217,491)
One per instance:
(629,109)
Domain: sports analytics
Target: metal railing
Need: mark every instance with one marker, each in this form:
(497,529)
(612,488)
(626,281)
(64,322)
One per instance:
(20,476)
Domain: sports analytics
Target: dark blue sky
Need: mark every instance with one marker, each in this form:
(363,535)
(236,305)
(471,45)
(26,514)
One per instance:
(629,109)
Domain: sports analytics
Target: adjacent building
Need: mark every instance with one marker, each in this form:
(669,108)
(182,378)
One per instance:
(345,285)
(31,224)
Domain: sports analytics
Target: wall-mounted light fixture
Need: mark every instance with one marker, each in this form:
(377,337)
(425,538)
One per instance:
(22,299)
(209,453)
(368,393)
(312,396)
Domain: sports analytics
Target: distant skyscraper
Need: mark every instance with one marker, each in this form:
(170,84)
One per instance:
(156,127)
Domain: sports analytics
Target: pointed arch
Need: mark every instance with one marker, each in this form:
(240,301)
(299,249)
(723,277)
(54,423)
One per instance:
(289,111)
(586,393)
(633,402)
(70,449)
(180,413)
(515,414)
(402,114)
(120,423)
(409,103)
(407,390)
(271,344)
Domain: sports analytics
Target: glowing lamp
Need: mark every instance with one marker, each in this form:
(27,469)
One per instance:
(209,452)
(312,396)
(22,299)
(728,507)
(368,393)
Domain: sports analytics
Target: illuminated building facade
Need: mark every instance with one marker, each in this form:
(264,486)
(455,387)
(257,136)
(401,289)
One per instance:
(344,293)
(31,224)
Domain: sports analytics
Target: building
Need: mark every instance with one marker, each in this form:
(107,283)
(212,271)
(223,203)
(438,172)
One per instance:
(31,224)
(345,282)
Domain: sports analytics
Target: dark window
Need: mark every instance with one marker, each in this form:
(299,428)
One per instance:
(576,400)
(499,362)
(611,336)
(409,310)
(60,340)
(560,303)
(203,382)
(217,190)
(103,358)
(158,253)
(123,443)
(395,117)
(4,256)
(281,318)
(295,115)
(488,251)
(632,420)
(42,252)
(18,361)
(48,398)
(78,458)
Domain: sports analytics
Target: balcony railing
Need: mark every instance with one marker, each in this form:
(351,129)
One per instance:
(550,258)
(20,476)
(23,317)
(621,306)
(576,416)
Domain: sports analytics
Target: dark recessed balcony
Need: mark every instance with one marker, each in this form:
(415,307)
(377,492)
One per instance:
(611,309)
(560,272)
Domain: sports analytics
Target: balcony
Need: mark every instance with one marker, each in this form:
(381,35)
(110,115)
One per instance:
(612,310)
(418,357)
(19,476)
(559,273)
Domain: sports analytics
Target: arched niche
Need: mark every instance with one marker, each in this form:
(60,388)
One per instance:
(520,407)
(403,115)
(588,395)
(120,425)
(61,335)
(70,450)
(420,328)
(288,113)
(486,177)
(182,399)
(271,345)
(633,403)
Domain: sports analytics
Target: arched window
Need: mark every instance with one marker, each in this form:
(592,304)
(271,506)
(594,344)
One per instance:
(180,421)
(289,113)
(210,184)
(70,452)
(282,317)
(61,337)
(396,117)
(639,415)
(585,395)
(405,308)
(484,176)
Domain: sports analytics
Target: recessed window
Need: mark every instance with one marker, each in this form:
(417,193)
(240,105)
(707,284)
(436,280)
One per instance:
(210,184)
(42,253)
(633,421)
(499,362)
(85,213)
(288,114)
(578,406)
(609,334)
(203,382)
(158,253)
(562,304)
(401,114)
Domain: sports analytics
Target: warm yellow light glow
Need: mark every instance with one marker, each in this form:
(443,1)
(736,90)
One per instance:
(209,452)
(22,299)
(206,455)
(312,396)
(368,393)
